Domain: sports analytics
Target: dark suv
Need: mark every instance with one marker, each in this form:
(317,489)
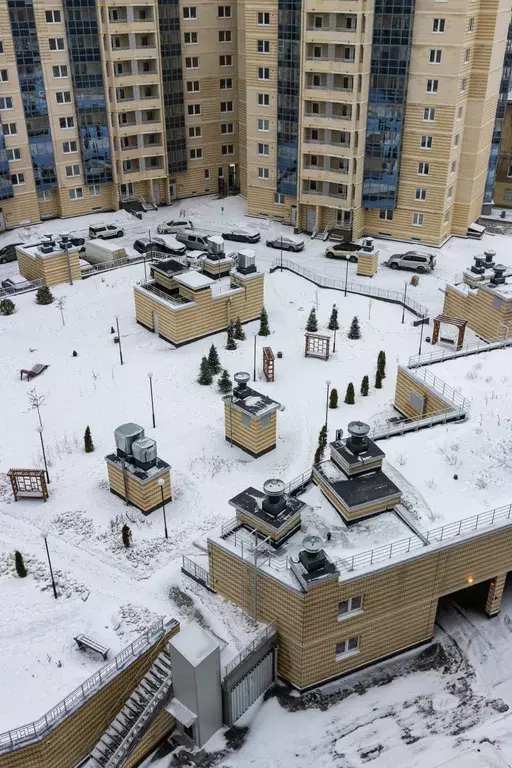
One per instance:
(8,253)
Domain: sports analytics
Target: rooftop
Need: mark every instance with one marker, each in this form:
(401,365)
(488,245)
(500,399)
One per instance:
(253,403)
(194,643)
(194,280)
(169,266)
(140,474)
(353,459)
(359,489)
(250,501)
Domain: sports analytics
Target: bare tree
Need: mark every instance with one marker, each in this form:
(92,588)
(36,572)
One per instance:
(36,401)
(60,304)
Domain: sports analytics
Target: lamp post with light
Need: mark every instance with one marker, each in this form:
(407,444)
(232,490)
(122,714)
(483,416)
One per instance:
(161,483)
(44,534)
(328,383)
(150,377)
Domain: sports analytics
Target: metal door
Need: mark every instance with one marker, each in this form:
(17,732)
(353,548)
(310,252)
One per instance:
(310,220)
(156,192)
(2,222)
(155,323)
(253,685)
(172,188)
(293,218)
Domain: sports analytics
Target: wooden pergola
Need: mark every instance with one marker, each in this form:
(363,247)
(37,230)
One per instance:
(268,363)
(28,483)
(317,345)
(448,320)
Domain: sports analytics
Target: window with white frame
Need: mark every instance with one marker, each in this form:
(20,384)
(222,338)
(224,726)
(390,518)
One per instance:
(224,11)
(95,190)
(226,61)
(263,19)
(228,149)
(263,125)
(460,111)
(192,62)
(69,146)
(226,83)
(194,109)
(17,179)
(429,114)
(420,194)
(190,38)
(226,128)
(426,142)
(423,169)
(195,132)
(4,76)
(350,606)
(278,198)
(449,194)
(63,97)
(432,86)
(72,170)
(206,174)
(196,154)
(385,214)
(13,154)
(60,70)
(347,647)
(6,102)
(463,84)
(264,99)
(263,46)
(66,122)
(226,106)
(453,166)
(456,140)
(438,26)
(225,36)
(467,55)
(435,56)
(447,216)
(53,17)
(76,194)
(56,43)
(263,73)
(44,195)
(263,173)
(192,86)
(190,12)
(263,149)
(471,24)
(9,129)
(417,219)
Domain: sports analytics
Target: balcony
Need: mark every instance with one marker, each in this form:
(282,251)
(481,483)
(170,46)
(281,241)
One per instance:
(325,174)
(320,192)
(331,22)
(140,168)
(325,111)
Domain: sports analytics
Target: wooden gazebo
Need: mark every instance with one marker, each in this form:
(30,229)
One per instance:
(448,320)
(28,483)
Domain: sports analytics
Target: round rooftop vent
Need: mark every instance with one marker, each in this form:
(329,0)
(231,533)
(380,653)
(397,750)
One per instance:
(241,377)
(358,428)
(273,487)
(312,544)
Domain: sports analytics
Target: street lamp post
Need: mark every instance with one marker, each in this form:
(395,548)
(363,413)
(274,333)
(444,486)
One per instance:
(403,307)
(335,324)
(64,236)
(150,377)
(44,534)
(346,279)
(40,430)
(421,335)
(281,251)
(328,383)
(161,483)
(119,340)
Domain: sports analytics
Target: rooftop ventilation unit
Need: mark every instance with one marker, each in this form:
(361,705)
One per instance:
(358,441)
(498,277)
(47,244)
(312,557)
(490,258)
(367,244)
(216,248)
(144,452)
(478,268)
(242,390)
(125,436)
(274,501)
(246,261)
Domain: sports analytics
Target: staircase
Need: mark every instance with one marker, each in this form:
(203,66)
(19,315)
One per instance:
(123,733)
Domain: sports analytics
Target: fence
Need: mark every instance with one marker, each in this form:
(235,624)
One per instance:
(245,652)
(31,285)
(106,266)
(413,425)
(194,570)
(299,482)
(447,392)
(473,348)
(362,289)
(170,298)
(27,734)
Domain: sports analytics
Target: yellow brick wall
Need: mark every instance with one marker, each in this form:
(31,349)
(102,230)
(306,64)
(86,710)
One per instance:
(407,383)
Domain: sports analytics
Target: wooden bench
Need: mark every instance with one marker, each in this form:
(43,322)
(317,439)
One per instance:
(86,644)
(34,371)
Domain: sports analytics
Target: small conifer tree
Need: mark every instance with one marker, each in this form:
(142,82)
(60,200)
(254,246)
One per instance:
(264,329)
(322,442)
(333,320)
(349,397)
(231,343)
(378,379)
(365,386)
(7,307)
(112,330)
(126,535)
(19,565)
(44,295)
(75,353)
(381,363)
(333,399)
(239,332)
(312,323)
(225,383)
(355,331)
(205,373)
(213,360)
(88,444)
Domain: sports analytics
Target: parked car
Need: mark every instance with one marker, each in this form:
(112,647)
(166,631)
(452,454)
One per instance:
(16,282)
(77,241)
(195,259)
(343,251)
(415,260)
(143,245)
(286,243)
(105,231)
(193,239)
(242,236)
(173,226)
(168,244)
(8,253)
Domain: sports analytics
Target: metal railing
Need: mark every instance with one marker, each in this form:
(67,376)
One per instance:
(447,393)
(31,285)
(193,569)
(27,734)
(363,289)
(471,348)
(415,424)
(106,266)
(176,299)
(299,482)
(229,526)
(269,631)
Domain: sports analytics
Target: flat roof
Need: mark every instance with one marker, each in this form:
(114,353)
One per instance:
(194,643)
(372,452)
(255,403)
(169,266)
(359,489)
(250,501)
(194,280)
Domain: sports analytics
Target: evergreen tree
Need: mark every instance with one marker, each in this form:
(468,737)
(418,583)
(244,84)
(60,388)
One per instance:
(312,323)
(264,329)
(365,385)
(44,295)
(322,442)
(333,320)
(7,307)
(381,363)
(126,535)
(205,373)
(213,360)
(112,330)
(19,565)
(75,353)
(333,399)
(88,444)
(225,383)
(355,331)
(378,379)
(239,330)
(231,343)
(349,397)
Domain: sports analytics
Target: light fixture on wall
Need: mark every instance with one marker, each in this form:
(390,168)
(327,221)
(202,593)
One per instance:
(469,579)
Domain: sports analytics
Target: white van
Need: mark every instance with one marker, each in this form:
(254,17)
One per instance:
(99,251)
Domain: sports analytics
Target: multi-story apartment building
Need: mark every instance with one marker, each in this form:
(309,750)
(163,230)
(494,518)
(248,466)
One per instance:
(374,117)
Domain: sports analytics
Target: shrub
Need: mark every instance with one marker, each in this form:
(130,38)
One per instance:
(333,399)
(126,535)
(264,329)
(355,331)
(365,386)
(75,353)
(239,332)
(350,395)
(333,320)
(381,363)
(44,295)
(225,383)
(88,444)
(205,373)
(213,360)
(7,307)
(231,343)
(378,379)
(19,565)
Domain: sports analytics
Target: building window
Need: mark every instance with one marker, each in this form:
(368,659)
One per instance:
(447,217)
(423,169)
(69,146)
(192,62)
(352,605)
(507,195)
(226,61)
(225,36)
(385,215)
(6,102)
(471,24)
(417,219)
(195,132)
(348,647)
(263,19)
(438,26)
(263,149)
(9,129)
(435,56)
(263,125)
(72,170)
(463,84)
(226,106)
(13,154)
(192,85)
(426,142)
(453,166)
(224,12)
(429,114)
(190,12)
(53,17)
(190,38)
(4,76)
(206,174)
(194,109)
(1,47)
(44,195)
(63,97)
(196,154)
(460,111)
(227,128)
(263,73)
(263,46)
(263,173)
(432,86)
(17,179)
(467,54)
(456,140)
(60,70)
(226,84)
(76,194)
(95,190)
(228,149)
(421,194)
(449,194)
(56,43)
(264,99)
(278,198)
